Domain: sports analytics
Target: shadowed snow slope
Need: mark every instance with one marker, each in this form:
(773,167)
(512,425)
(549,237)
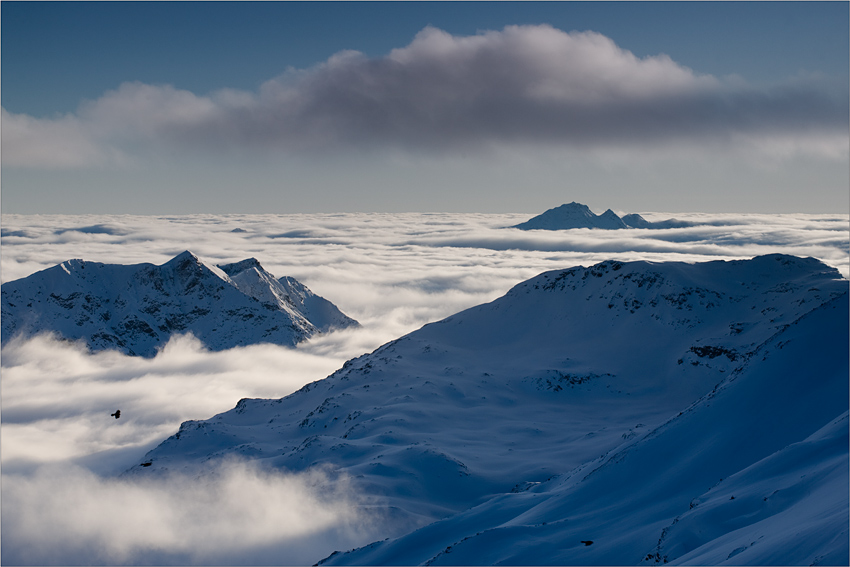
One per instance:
(597,404)
(137,308)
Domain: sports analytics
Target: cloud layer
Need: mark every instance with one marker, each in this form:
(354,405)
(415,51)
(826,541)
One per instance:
(56,396)
(233,514)
(522,85)
(392,272)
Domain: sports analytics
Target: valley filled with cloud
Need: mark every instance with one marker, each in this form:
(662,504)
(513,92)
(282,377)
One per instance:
(65,499)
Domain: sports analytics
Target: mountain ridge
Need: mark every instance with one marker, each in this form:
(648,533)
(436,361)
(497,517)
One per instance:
(136,308)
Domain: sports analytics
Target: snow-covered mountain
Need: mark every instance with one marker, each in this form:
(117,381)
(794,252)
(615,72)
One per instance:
(622,413)
(136,308)
(576,215)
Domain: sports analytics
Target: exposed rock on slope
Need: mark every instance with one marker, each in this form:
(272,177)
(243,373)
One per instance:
(136,308)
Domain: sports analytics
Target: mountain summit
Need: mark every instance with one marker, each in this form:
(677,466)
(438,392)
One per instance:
(136,308)
(573,215)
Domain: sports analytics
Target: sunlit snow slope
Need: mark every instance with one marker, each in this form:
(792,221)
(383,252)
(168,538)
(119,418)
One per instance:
(137,308)
(662,412)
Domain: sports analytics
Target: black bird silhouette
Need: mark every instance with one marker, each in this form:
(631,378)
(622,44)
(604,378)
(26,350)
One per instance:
(117,414)
(587,541)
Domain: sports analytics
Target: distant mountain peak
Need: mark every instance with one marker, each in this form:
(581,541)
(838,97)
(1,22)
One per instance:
(575,215)
(137,308)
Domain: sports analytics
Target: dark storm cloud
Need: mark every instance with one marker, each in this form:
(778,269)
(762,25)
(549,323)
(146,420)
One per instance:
(524,84)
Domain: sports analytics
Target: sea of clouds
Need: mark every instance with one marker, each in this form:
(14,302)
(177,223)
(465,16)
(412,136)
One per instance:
(64,500)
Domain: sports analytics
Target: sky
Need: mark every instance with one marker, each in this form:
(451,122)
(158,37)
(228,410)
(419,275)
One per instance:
(63,454)
(267,107)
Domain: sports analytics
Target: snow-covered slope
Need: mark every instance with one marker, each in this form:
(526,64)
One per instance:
(287,294)
(137,308)
(755,472)
(591,404)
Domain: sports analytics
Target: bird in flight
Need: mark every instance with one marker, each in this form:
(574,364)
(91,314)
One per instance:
(117,414)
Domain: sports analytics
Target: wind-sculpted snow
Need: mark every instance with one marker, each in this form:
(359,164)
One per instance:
(137,308)
(579,419)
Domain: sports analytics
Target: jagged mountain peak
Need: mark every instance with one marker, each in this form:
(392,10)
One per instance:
(187,264)
(186,260)
(136,308)
(185,255)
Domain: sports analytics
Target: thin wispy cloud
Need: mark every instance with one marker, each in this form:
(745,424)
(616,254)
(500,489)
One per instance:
(523,85)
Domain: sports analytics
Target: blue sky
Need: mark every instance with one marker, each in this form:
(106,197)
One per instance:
(161,107)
